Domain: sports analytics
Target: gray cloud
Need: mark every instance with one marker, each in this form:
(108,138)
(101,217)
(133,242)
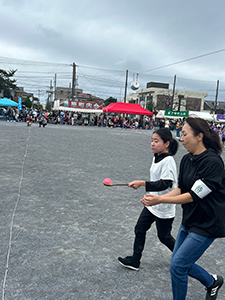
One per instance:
(120,34)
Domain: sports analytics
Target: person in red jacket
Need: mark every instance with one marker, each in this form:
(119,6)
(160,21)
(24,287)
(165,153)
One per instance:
(29,120)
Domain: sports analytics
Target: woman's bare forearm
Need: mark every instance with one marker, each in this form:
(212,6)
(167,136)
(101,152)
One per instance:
(176,199)
(173,193)
(173,197)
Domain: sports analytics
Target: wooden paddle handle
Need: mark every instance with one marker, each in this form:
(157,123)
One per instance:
(116,184)
(119,184)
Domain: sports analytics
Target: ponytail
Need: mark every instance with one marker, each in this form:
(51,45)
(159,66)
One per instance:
(210,137)
(166,136)
(173,147)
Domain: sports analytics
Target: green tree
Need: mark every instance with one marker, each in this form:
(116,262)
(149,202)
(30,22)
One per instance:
(150,105)
(110,100)
(37,106)
(27,102)
(6,83)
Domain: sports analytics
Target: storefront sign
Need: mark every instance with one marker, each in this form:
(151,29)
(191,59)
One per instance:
(220,117)
(79,104)
(176,114)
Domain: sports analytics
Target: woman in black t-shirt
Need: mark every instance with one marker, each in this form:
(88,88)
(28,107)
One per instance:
(201,191)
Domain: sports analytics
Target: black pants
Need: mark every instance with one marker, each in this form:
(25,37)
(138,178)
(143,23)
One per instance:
(163,226)
(43,124)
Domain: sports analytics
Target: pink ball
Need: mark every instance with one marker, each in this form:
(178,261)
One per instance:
(107,181)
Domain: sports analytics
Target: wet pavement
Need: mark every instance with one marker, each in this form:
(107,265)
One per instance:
(62,229)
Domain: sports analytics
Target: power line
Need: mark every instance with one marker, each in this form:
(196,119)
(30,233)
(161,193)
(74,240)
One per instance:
(97,80)
(23,61)
(181,61)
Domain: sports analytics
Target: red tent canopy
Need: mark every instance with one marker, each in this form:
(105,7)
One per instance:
(126,108)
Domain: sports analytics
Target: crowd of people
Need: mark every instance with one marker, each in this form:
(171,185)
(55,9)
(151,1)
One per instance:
(74,118)
(43,118)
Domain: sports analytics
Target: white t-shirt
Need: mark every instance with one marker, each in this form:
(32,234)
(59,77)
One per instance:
(165,169)
(167,124)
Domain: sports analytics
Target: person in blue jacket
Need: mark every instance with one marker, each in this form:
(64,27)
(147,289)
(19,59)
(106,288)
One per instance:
(201,191)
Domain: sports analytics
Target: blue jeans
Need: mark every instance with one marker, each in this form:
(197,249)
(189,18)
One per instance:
(178,132)
(188,248)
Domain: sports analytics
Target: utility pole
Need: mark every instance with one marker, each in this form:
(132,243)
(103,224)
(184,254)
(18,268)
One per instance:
(49,99)
(125,94)
(69,93)
(174,84)
(74,81)
(180,97)
(217,89)
(51,91)
(55,88)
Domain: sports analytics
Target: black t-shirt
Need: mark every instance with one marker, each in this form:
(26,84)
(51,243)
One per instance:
(203,176)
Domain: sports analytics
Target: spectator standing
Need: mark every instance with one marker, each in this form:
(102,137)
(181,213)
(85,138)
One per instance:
(62,114)
(223,135)
(167,124)
(178,128)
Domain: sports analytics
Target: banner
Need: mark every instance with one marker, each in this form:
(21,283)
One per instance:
(80,104)
(220,117)
(176,114)
(19,103)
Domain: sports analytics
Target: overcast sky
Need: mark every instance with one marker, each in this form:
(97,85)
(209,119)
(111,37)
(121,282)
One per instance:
(117,35)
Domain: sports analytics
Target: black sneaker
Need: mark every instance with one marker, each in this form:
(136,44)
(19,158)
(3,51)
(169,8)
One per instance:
(212,291)
(128,262)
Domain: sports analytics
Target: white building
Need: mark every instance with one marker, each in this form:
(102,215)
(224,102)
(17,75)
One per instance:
(161,96)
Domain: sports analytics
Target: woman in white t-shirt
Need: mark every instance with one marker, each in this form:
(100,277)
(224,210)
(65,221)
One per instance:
(163,178)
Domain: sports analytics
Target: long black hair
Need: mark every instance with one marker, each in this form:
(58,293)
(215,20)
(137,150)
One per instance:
(210,137)
(166,136)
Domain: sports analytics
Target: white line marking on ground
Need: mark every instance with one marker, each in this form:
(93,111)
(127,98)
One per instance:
(12,219)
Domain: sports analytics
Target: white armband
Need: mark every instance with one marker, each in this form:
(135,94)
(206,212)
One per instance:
(200,189)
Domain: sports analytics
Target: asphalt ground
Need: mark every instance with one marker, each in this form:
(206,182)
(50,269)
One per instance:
(62,230)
